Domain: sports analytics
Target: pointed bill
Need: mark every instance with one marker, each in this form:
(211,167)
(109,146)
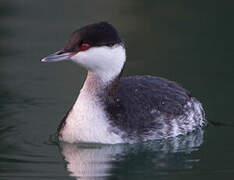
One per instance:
(58,56)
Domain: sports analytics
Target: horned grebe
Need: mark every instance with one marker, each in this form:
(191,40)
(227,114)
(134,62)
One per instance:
(111,109)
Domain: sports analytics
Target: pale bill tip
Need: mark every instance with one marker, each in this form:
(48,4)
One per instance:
(43,60)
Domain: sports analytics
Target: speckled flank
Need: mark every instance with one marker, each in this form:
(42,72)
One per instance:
(192,119)
(152,108)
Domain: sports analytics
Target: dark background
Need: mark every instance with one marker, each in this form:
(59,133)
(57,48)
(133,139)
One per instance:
(190,42)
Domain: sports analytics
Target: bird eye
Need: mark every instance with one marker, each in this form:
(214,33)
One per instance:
(84,46)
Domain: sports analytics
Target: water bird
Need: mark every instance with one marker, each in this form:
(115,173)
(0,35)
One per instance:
(111,109)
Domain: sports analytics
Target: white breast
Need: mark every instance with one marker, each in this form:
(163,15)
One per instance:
(87,122)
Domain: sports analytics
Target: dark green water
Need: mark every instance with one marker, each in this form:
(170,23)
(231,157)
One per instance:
(190,42)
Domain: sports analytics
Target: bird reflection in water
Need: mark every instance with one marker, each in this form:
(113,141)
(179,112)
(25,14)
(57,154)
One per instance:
(88,161)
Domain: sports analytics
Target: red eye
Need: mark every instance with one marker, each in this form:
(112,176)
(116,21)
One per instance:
(84,46)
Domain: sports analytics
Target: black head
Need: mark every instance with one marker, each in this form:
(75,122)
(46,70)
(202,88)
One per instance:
(93,35)
(97,47)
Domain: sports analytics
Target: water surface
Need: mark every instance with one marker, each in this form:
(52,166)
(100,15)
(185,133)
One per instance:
(189,42)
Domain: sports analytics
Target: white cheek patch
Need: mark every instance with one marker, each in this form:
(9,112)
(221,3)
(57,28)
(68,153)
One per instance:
(80,58)
(106,62)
